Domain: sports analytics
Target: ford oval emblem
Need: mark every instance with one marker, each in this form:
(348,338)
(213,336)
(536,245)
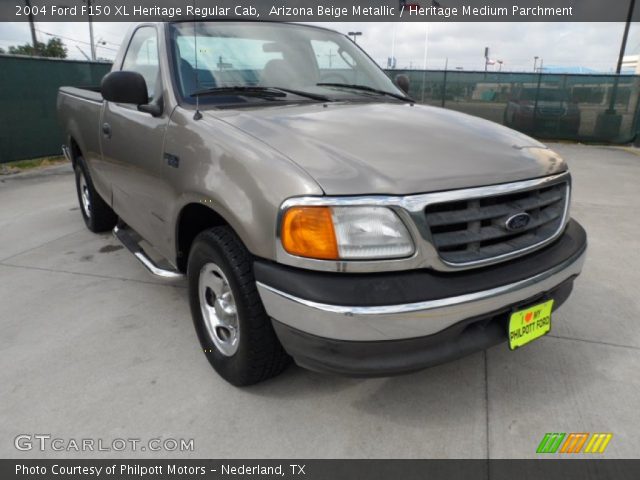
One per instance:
(517,222)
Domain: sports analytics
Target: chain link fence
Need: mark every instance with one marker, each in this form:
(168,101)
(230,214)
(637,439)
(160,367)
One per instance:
(29,125)
(590,108)
(600,108)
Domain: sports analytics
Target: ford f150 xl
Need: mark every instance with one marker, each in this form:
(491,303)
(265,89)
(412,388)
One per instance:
(317,212)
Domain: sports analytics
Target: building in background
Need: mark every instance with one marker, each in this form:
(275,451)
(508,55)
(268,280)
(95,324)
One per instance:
(631,64)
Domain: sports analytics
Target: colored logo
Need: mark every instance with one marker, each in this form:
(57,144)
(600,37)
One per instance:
(574,443)
(517,221)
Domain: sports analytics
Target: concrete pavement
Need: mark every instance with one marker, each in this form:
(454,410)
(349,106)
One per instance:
(92,346)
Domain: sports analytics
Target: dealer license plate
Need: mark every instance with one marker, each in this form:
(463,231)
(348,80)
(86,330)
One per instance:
(529,324)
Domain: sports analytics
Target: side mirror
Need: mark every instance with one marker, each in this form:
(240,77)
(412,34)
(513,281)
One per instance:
(125,87)
(402,81)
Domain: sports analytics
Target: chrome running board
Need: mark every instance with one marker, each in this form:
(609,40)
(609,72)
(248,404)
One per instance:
(131,244)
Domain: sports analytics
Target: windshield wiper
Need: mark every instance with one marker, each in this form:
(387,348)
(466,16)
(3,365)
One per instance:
(366,88)
(312,96)
(262,92)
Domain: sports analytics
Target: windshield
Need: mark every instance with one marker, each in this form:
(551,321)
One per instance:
(211,55)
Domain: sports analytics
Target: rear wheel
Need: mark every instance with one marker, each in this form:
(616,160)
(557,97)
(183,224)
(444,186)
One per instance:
(233,327)
(97,215)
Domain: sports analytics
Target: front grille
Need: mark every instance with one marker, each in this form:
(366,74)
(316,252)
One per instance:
(475,230)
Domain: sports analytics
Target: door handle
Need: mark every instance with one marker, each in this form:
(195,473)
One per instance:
(106,130)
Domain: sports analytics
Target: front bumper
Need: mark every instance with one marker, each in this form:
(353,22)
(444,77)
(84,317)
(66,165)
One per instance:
(381,324)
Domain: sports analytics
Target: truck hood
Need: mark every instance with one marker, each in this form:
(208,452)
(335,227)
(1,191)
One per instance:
(388,148)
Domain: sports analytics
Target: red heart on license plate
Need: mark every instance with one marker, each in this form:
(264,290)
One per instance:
(528,317)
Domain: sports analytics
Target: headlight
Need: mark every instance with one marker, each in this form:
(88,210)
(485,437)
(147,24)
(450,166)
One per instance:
(345,233)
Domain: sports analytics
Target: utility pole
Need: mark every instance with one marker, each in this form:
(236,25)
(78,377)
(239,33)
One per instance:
(93,46)
(535,63)
(34,39)
(330,55)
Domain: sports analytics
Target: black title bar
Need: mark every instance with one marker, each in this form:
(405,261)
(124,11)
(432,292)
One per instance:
(317,10)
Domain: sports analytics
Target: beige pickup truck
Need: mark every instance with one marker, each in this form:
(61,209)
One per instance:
(317,212)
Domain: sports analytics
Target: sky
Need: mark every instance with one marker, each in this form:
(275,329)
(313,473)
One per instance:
(459,45)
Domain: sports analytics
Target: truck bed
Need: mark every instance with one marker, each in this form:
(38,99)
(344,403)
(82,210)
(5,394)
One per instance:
(79,112)
(86,93)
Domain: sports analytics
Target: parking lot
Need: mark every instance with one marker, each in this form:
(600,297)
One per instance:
(92,346)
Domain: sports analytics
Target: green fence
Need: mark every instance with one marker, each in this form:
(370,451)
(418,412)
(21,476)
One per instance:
(601,108)
(28,88)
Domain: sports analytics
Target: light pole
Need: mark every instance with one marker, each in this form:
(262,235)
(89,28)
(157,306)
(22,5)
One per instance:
(486,59)
(355,35)
(623,47)
(625,35)
(608,123)
(500,62)
(535,63)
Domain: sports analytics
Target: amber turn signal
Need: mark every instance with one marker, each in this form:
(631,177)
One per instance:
(308,232)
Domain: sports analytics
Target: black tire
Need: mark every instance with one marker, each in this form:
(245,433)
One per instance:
(259,355)
(97,215)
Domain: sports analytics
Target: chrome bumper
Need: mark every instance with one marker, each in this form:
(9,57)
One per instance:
(395,322)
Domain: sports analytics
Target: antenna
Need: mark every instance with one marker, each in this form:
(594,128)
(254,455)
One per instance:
(197,115)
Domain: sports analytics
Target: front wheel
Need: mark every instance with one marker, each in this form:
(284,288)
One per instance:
(233,327)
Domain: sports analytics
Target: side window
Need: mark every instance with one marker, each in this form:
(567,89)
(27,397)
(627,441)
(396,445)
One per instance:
(142,57)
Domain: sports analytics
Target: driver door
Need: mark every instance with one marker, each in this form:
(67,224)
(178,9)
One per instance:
(132,141)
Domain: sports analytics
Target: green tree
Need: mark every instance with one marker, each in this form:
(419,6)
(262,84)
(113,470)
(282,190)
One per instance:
(54,48)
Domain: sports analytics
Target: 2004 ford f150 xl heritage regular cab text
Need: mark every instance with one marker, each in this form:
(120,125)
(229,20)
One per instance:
(317,212)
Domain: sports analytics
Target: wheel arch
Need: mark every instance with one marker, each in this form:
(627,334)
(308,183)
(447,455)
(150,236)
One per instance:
(193,219)
(75,150)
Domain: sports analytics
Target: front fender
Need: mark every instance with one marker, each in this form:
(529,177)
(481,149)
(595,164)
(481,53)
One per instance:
(237,176)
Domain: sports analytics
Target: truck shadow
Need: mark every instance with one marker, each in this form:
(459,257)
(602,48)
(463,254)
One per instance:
(434,396)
